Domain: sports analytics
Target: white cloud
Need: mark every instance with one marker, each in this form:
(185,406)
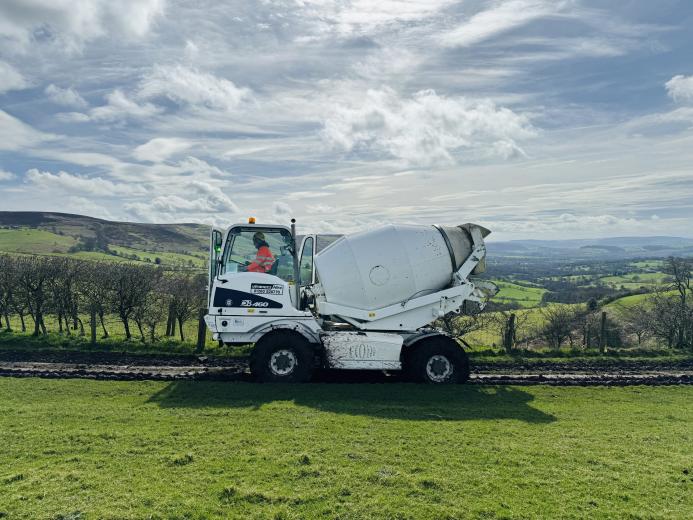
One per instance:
(160,148)
(281,209)
(119,107)
(17,135)
(70,24)
(497,20)
(197,200)
(72,117)
(187,86)
(6,176)
(72,184)
(84,206)
(427,128)
(680,88)
(68,97)
(200,167)
(11,78)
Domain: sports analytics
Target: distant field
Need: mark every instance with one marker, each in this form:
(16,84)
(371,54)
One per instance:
(636,279)
(628,301)
(34,241)
(514,293)
(96,449)
(42,242)
(648,264)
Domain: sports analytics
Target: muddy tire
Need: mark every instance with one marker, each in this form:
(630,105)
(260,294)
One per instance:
(438,360)
(282,357)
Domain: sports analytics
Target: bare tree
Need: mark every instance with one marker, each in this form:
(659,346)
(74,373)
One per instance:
(187,296)
(7,288)
(33,276)
(681,271)
(663,318)
(94,292)
(152,312)
(636,320)
(151,305)
(558,325)
(129,285)
(65,301)
(511,327)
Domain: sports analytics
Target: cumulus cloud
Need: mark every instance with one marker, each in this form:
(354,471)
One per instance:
(17,135)
(11,78)
(73,184)
(200,167)
(160,148)
(188,86)
(6,176)
(427,128)
(680,88)
(68,97)
(201,199)
(84,206)
(119,107)
(70,24)
(497,20)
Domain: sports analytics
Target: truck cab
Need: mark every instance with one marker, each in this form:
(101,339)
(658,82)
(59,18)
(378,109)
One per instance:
(247,298)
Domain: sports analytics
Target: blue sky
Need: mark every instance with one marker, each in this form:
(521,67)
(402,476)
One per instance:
(538,119)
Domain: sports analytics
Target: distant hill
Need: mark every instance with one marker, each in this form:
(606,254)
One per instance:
(599,248)
(32,232)
(92,238)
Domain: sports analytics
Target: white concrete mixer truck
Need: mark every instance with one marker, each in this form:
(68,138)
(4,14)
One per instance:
(366,301)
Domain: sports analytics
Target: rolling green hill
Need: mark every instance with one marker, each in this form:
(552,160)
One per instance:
(96,239)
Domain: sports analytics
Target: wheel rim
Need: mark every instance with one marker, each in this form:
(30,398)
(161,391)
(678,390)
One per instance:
(283,362)
(439,368)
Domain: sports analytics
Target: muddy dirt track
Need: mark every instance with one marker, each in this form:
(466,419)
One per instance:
(118,366)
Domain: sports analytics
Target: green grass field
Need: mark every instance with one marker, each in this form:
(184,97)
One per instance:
(513,293)
(116,331)
(35,241)
(88,449)
(43,242)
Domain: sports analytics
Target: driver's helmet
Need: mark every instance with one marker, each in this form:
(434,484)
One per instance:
(258,237)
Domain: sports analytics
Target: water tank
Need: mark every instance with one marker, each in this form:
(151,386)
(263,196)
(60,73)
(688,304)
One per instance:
(390,264)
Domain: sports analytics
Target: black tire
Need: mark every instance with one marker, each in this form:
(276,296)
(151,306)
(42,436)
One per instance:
(282,357)
(437,360)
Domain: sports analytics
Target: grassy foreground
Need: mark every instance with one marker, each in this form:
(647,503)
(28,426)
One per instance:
(90,449)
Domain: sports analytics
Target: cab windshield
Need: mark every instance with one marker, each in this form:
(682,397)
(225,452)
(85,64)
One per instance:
(259,250)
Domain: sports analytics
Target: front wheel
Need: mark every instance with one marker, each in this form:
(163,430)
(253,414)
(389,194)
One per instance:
(282,357)
(438,360)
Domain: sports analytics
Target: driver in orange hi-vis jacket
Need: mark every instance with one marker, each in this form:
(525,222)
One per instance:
(264,258)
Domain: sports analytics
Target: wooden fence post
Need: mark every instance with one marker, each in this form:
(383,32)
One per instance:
(602,334)
(509,339)
(171,323)
(92,324)
(201,331)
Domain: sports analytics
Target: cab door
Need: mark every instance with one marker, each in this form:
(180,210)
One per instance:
(216,242)
(306,267)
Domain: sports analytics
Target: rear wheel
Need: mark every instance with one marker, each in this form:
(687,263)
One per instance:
(438,360)
(282,357)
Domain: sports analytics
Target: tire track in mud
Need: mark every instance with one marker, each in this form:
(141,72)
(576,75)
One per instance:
(236,370)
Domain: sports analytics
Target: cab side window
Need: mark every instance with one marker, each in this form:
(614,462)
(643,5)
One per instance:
(306,262)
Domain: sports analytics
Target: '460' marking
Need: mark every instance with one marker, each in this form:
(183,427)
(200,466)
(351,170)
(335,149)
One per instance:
(250,303)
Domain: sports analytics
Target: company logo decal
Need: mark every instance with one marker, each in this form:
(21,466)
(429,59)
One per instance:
(231,298)
(266,288)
